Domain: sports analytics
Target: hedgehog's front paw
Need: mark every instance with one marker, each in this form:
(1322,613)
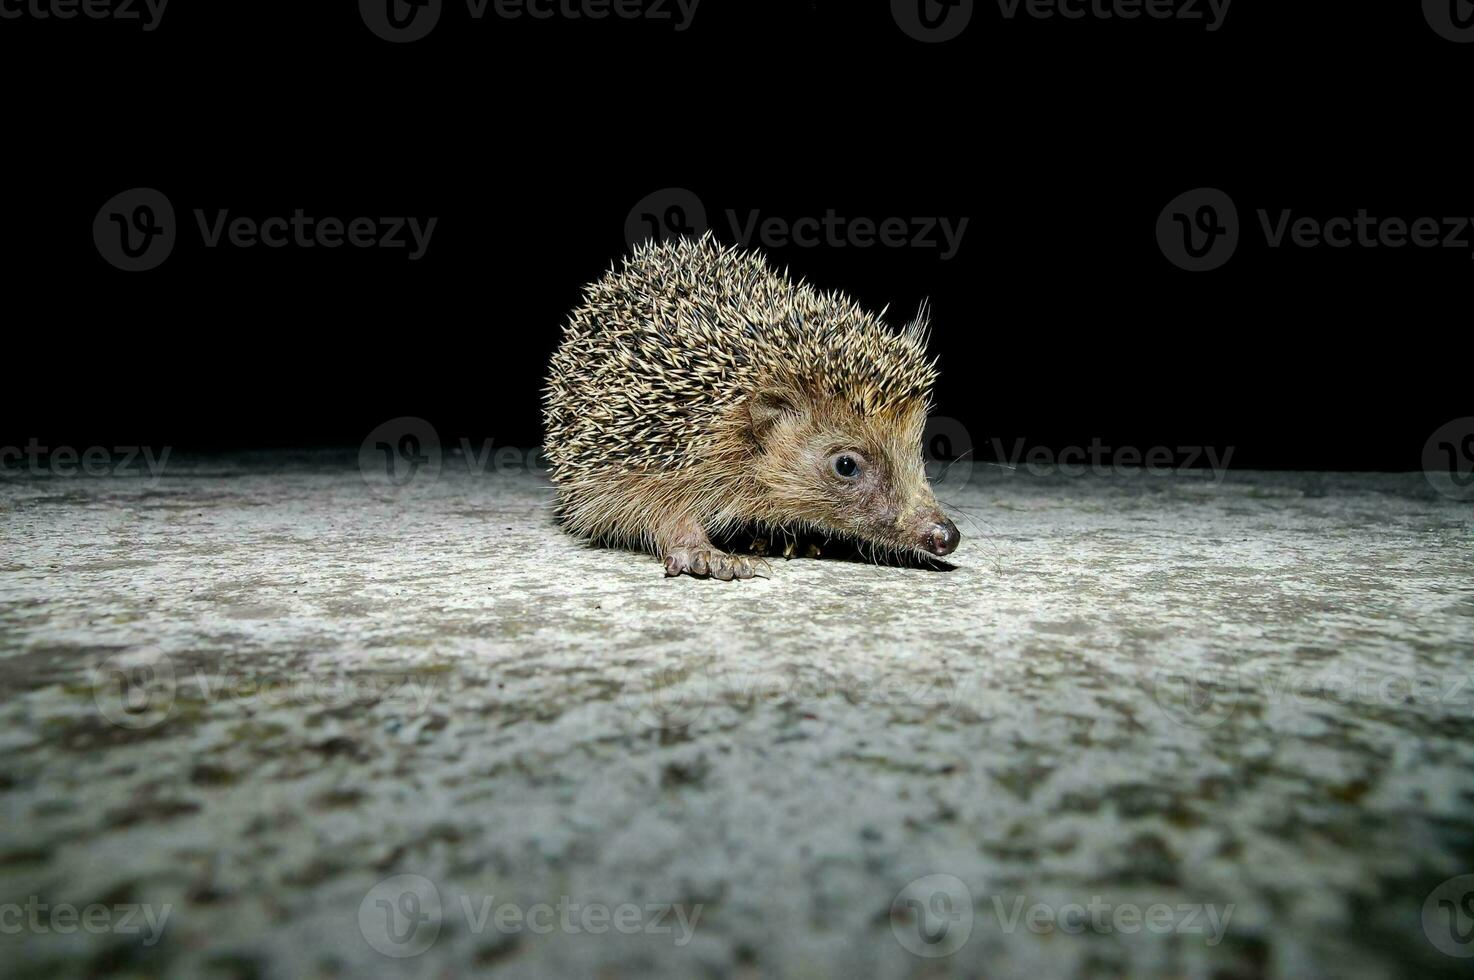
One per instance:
(703,562)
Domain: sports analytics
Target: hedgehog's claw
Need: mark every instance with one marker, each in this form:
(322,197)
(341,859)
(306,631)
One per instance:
(702,562)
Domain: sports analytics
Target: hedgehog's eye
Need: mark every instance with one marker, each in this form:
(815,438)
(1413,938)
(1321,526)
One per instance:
(845,466)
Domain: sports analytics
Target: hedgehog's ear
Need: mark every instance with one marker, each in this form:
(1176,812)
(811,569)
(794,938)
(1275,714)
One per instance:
(764,409)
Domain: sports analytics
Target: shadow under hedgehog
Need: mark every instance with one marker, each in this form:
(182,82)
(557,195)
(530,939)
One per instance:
(697,392)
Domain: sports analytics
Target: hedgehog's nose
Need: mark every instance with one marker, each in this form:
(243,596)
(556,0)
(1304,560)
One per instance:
(943,538)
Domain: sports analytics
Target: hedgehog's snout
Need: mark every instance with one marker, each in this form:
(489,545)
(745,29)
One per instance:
(942,538)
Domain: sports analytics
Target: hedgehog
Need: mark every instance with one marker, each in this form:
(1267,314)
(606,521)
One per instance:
(697,392)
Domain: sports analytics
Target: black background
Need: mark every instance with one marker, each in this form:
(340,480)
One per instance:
(1058,322)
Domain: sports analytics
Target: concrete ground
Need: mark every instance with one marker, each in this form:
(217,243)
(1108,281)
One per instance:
(264,718)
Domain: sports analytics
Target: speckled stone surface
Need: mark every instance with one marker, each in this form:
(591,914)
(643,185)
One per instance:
(249,697)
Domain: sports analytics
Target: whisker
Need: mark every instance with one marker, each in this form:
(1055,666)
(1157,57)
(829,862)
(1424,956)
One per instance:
(952,464)
(991,542)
